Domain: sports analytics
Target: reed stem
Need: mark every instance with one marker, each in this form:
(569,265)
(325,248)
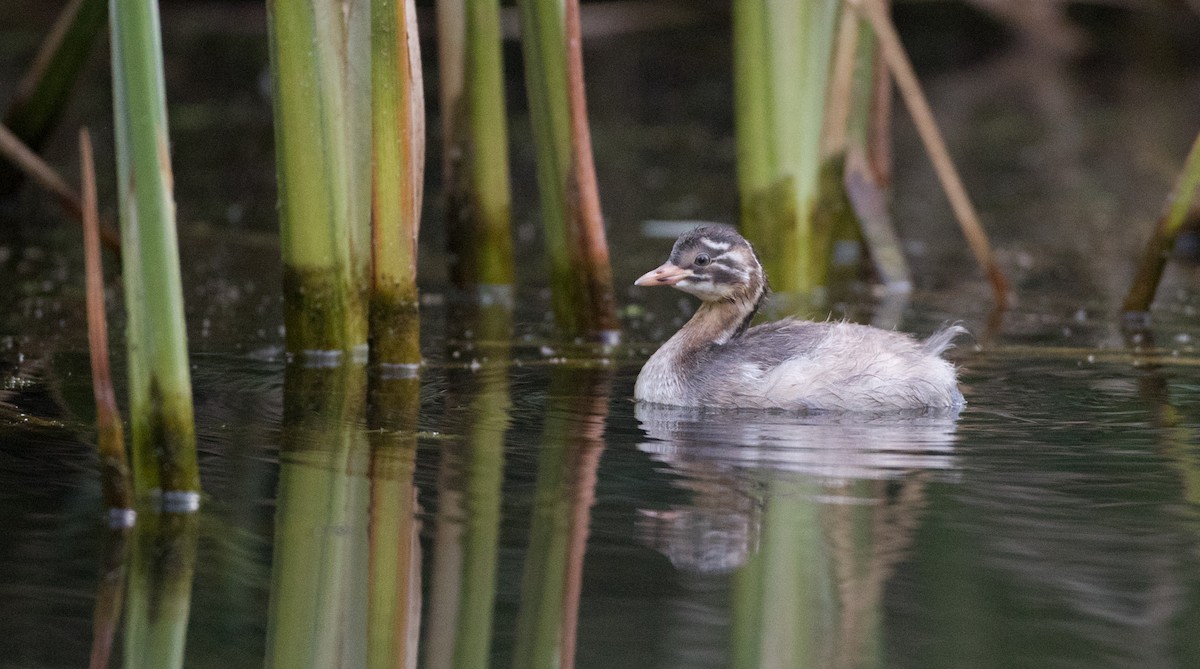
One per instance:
(43,93)
(1158,248)
(910,90)
(110,595)
(580,275)
(320,64)
(114,463)
(398,169)
(24,159)
(475,143)
(782,63)
(164,439)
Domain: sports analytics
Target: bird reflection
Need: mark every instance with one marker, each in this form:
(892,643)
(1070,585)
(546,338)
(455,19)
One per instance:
(806,514)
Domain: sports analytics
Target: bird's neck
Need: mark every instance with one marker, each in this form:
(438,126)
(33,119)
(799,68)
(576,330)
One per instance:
(718,322)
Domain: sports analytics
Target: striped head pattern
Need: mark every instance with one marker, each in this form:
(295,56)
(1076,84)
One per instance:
(713,263)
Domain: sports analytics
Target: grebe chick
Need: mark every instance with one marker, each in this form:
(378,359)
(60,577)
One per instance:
(717,360)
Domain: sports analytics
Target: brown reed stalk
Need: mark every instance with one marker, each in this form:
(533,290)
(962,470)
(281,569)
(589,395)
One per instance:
(114,463)
(592,243)
(914,98)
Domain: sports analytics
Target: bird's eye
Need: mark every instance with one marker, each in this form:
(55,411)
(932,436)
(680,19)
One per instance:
(701,260)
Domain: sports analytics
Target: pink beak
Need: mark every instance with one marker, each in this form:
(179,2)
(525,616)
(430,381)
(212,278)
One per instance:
(666,274)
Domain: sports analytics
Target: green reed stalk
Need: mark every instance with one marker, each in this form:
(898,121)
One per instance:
(782,55)
(160,589)
(316,608)
(320,67)
(580,275)
(475,141)
(43,93)
(164,437)
(1159,247)
(398,169)
(465,548)
(114,463)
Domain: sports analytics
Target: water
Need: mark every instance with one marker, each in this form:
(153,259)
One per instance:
(1053,523)
(516,503)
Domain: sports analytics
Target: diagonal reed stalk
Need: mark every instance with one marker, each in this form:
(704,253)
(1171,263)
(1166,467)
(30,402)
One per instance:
(320,67)
(854,130)
(1158,247)
(875,12)
(42,94)
(475,143)
(398,169)
(580,275)
(114,463)
(24,159)
(164,438)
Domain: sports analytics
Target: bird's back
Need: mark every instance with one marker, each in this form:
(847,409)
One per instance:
(834,366)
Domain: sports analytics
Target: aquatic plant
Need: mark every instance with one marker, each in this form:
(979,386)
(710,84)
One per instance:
(398,170)
(875,12)
(110,436)
(163,428)
(580,274)
(789,198)
(857,127)
(320,65)
(42,94)
(782,54)
(24,159)
(475,173)
(1159,246)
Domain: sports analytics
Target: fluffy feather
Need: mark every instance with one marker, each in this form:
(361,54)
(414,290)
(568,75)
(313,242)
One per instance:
(715,361)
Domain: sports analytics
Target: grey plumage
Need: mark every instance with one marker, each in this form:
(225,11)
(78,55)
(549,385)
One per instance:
(715,360)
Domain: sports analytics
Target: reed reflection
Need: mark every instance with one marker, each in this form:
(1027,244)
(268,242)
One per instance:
(572,442)
(809,514)
(317,615)
(158,600)
(458,631)
(394,553)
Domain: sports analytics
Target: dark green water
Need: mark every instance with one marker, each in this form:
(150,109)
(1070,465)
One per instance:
(1054,523)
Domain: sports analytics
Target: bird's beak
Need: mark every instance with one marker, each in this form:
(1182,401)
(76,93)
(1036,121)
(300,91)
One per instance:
(666,274)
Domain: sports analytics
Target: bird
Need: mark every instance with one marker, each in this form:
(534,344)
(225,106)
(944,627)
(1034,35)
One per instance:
(718,360)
